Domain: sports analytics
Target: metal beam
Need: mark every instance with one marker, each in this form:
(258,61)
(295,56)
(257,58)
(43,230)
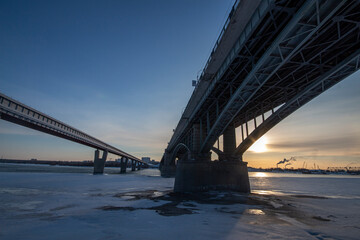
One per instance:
(320,85)
(256,79)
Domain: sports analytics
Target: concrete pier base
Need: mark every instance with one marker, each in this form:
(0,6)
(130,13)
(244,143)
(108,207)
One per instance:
(123,165)
(168,171)
(197,176)
(99,163)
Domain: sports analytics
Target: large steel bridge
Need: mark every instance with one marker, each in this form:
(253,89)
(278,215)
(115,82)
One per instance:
(272,57)
(21,114)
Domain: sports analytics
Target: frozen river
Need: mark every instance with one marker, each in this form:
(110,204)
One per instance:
(50,202)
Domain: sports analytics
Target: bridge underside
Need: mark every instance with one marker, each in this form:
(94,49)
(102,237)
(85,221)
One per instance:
(293,52)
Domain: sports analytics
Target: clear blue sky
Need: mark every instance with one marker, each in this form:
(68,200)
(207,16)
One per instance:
(121,71)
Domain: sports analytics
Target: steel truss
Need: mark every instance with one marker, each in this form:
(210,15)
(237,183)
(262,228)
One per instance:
(298,50)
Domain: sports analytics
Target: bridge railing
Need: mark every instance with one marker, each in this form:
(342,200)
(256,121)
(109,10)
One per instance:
(227,22)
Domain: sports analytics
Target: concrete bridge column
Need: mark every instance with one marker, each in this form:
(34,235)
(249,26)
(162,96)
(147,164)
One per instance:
(204,174)
(166,169)
(229,140)
(138,165)
(133,165)
(198,176)
(123,164)
(99,163)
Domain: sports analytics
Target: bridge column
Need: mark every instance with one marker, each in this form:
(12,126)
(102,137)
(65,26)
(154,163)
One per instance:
(198,176)
(138,165)
(166,169)
(123,164)
(133,165)
(229,136)
(99,163)
(203,174)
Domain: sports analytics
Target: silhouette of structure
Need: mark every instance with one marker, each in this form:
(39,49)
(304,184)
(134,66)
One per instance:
(271,58)
(16,112)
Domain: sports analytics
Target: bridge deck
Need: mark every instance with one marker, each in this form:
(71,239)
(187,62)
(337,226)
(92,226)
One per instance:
(19,113)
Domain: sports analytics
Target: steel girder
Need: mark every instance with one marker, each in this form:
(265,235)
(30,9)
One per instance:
(279,88)
(252,84)
(309,19)
(321,84)
(304,74)
(19,113)
(292,46)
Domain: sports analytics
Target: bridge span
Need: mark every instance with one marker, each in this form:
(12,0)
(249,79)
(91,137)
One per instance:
(271,58)
(21,114)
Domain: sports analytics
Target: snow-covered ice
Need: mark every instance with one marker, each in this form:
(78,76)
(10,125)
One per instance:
(52,204)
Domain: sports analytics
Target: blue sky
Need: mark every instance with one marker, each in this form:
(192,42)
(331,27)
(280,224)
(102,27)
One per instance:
(121,71)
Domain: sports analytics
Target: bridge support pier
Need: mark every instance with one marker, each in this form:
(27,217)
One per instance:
(123,164)
(198,176)
(168,171)
(99,163)
(167,167)
(138,165)
(133,165)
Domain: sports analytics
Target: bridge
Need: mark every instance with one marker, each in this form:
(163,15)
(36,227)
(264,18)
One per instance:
(271,58)
(18,113)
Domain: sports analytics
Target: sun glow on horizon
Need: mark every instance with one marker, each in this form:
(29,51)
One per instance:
(259,146)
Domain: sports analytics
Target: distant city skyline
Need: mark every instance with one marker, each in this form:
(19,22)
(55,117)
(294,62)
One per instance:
(122,72)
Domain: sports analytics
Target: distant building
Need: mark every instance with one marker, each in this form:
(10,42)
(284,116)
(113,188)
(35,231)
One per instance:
(153,162)
(145,159)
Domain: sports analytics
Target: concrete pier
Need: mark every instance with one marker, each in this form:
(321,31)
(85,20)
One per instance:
(99,163)
(168,171)
(197,176)
(123,164)
(133,165)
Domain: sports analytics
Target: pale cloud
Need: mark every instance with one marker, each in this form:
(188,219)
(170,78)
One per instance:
(343,145)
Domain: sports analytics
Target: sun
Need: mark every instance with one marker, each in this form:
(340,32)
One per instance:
(259,146)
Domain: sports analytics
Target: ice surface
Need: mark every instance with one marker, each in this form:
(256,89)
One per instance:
(140,205)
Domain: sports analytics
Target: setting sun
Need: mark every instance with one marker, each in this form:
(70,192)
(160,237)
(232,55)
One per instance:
(259,146)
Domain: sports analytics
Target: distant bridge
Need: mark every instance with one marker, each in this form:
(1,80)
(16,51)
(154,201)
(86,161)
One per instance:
(19,113)
(272,57)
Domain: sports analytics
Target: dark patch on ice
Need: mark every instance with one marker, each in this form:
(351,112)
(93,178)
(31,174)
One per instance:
(171,209)
(189,205)
(321,218)
(137,195)
(97,195)
(227,210)
(222,198)
(217,198)
(63,207)
(39,215)
(114,208)
(167,209)
(185,203)
(308,196)
(319,236)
